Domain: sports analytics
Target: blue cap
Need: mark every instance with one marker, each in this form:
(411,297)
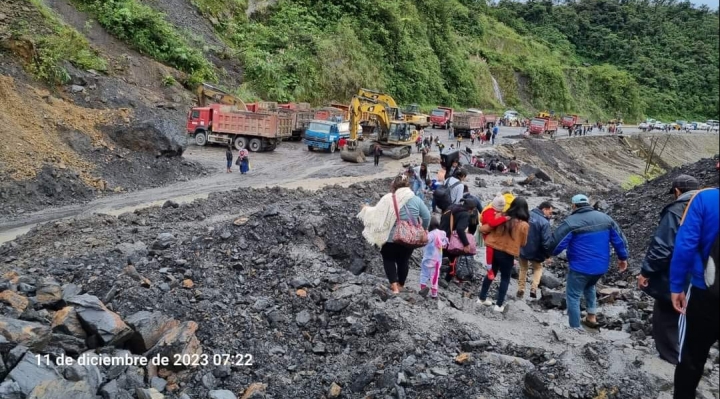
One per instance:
(580,199)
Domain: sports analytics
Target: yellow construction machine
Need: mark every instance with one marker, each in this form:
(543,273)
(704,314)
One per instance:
(209,93)
(393,134)
(413,116)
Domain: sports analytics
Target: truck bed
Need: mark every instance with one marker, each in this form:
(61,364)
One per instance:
(467,121)
(252,124)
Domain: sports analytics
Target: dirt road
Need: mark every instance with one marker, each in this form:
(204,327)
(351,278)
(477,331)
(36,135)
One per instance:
(290,166)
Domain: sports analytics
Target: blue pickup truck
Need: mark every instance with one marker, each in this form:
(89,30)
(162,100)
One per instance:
(326,134)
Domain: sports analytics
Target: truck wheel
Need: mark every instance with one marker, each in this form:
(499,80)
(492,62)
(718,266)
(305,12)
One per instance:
(200,139)
(240,143)
(333,147)
(255,145)
(310,148)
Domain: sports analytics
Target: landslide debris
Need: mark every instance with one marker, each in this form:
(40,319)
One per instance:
(288,280)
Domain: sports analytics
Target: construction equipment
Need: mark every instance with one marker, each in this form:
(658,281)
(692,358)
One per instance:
(207,93)
(395,136)
(413,116)
(227,124)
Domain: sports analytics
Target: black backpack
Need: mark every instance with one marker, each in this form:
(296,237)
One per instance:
(712,273)
(442,196)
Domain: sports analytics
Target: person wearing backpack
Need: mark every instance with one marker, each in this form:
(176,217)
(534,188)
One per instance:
(459,218)
(451,192)
(697,248)
(654,277)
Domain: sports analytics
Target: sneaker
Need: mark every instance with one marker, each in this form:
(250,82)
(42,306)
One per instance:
(499,309)
(491,275)
(520,294)
(533,294)
(424,291)
(486,302)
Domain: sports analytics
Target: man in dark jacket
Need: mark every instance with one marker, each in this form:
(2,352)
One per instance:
(538,248)
(654,278)
(462,221)
(587,234)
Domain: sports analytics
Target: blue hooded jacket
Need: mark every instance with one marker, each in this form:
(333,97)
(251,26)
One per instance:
(539,240)
(587,235)
(694,240)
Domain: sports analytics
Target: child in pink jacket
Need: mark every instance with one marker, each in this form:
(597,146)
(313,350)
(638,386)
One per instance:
(432,259)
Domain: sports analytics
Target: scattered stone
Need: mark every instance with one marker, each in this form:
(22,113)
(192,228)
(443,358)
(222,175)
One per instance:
(151,393)
(221,394)
(62,389)
(49,293)
(334,390)
(300,282)
(549,280)
(552,299)
(12,298)
(71,346)
(170,204)
(262,304)
(29,373)
(336,305)
(163,241)
(303,318)
(255,389)
(33,335)
(505,360)
(301,293)
(11,390)
(463,358)
(107,326)
(158,383)
(187,283)
(132,252)
(179,340)
(208,381)
(440,371)
(357,266)
(15,355)
(66,321)
(77,89)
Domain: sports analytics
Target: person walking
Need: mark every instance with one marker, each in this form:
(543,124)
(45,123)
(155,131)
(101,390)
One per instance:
(587,234)
(432,259)
(458,218)
(654,277)
(472,138)
(493,215)
(342,143)
(495,132)
(488,135)
(228,159)
(458,141)
(506,241)
(537,250)
(243,161)
(451,130)
(700,308)
(380,221)
(377,151)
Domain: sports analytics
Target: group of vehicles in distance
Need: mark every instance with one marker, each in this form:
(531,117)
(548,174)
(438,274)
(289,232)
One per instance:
(652,124)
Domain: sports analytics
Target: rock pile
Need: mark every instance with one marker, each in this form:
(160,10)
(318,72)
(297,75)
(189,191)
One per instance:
(282,299)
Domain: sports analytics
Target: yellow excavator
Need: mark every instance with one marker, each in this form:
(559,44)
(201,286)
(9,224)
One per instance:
(395,137)
(209,93)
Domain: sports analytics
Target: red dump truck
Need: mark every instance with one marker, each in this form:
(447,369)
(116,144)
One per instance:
(490,120)
(465,122)
(540,125)
(256,131)
(302,114)
(570,121)
(441,116)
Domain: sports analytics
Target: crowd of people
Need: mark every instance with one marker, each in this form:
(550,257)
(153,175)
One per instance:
(444,219)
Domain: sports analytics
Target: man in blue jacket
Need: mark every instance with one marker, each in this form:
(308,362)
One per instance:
(654,277)
(700,309)
(537,249)
(587,234)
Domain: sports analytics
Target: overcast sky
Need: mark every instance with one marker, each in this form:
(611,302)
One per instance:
(710,3)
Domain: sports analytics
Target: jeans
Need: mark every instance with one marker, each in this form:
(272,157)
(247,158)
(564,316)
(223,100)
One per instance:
(396,260)
(580,284)
(502,262)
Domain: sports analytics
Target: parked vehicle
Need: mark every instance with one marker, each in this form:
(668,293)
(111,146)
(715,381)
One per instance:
(413,116)
(302,115)
(644,126)
(243,129)
(465,122)
(712,125)
(570,121)
(511,115)
(325,134)
(490,120)
(441,116)
(693,125)
(543,123)
(659,126)
(673,126)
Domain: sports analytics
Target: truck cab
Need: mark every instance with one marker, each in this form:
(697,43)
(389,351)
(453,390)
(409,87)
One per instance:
(537,125)
(325,134)
(441,116)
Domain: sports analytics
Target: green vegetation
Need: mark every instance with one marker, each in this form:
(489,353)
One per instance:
(58,43)
(148,31)
(632,181)
(667,49)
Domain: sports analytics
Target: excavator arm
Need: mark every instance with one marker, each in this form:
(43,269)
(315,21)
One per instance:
(209,93)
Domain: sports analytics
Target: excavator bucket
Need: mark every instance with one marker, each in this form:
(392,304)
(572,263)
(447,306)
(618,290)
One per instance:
(354,156)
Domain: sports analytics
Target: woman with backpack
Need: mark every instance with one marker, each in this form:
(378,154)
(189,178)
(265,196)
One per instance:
(381,221)
(505,241)
(460,220)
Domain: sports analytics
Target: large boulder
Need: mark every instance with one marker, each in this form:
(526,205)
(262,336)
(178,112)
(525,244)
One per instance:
(149,137)
(537,386)
(102,324)
(149,328)
(552,299)
(33,335)
(49,293)
(179,340)
(549,280)
(17,301)
(31,372)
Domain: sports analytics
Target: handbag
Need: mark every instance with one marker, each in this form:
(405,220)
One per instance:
(455,245)
(408,233)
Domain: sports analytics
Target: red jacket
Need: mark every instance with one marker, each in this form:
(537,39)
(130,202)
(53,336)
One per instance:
(493,219)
